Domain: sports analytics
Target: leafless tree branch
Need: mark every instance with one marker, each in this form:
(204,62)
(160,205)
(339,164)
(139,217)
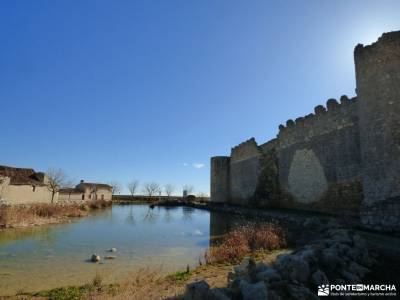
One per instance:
(133,186)
(169,189)
(151,188)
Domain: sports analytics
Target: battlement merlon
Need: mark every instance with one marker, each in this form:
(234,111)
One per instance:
(334,117)
(320,111)
(245,150)
(384,45)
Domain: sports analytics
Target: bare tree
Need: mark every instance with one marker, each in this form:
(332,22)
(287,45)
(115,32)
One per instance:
(169,189)
(188,188)
(133,186)
(115,187)
(151,188)
(56,179)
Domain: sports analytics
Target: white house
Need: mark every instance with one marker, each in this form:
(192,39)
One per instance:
(22,185)
(86,191)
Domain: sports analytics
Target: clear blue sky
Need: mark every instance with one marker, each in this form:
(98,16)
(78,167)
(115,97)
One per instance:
(114,90)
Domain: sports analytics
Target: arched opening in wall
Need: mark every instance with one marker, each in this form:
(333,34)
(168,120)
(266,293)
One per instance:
(83,196)
(33,188)
(102,196)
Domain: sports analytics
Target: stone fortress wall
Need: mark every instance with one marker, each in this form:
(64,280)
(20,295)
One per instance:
(343,159)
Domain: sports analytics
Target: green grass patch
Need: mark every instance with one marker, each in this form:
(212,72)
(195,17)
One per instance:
(77,292)
(64,293)
(179,276)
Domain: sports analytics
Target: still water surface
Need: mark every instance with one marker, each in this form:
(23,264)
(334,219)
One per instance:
(56,255)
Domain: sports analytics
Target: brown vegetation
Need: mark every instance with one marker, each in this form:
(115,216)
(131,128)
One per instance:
(38,214)
(246,240)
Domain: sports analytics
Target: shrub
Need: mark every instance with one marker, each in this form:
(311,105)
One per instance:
(246,240)
(20,214)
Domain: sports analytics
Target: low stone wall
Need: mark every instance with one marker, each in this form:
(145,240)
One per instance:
(382,215)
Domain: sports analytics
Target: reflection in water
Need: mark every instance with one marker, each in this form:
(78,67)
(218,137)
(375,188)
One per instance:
(150,216)
(187,212)
(223,223)
(168,215)
(130,218)
(46,257)
(10,235)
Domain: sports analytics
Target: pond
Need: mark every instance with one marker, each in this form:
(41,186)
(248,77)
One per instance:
(57,255)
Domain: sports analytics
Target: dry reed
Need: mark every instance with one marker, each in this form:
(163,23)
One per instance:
(19,215)
(246,240)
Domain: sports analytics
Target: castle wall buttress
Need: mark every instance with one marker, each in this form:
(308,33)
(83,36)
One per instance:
(378,88)
(220,181)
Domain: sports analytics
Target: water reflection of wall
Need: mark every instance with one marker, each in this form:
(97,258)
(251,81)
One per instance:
(222,223)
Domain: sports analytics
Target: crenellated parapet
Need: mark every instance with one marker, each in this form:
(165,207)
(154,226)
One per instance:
(245,150)
(270,145)
(375,57)
(325,119)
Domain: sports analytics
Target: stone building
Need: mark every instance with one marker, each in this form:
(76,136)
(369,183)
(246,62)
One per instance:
(22,185)
(86,191)
(25,186)
(343,158)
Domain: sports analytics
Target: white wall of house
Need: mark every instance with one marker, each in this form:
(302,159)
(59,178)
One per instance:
(99,194)
(70,197)
(88,195)
(27,194)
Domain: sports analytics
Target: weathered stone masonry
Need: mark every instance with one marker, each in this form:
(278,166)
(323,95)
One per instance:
(342,159)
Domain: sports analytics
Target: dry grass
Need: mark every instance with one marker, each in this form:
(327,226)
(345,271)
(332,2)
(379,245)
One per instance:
(144,284)
(244,241)
(37,214)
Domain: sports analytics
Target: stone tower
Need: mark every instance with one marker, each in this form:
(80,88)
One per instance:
(378,90)
(220,166)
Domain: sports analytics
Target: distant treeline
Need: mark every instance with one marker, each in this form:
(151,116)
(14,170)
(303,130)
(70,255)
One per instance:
(151,199)
(144,198)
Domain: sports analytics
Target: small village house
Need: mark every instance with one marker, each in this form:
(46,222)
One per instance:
(23,186)
(86,191)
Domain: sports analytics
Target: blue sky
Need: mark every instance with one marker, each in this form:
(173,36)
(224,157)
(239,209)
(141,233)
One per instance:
(116,90)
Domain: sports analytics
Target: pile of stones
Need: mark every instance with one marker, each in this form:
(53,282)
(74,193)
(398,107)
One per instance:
(340,257)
